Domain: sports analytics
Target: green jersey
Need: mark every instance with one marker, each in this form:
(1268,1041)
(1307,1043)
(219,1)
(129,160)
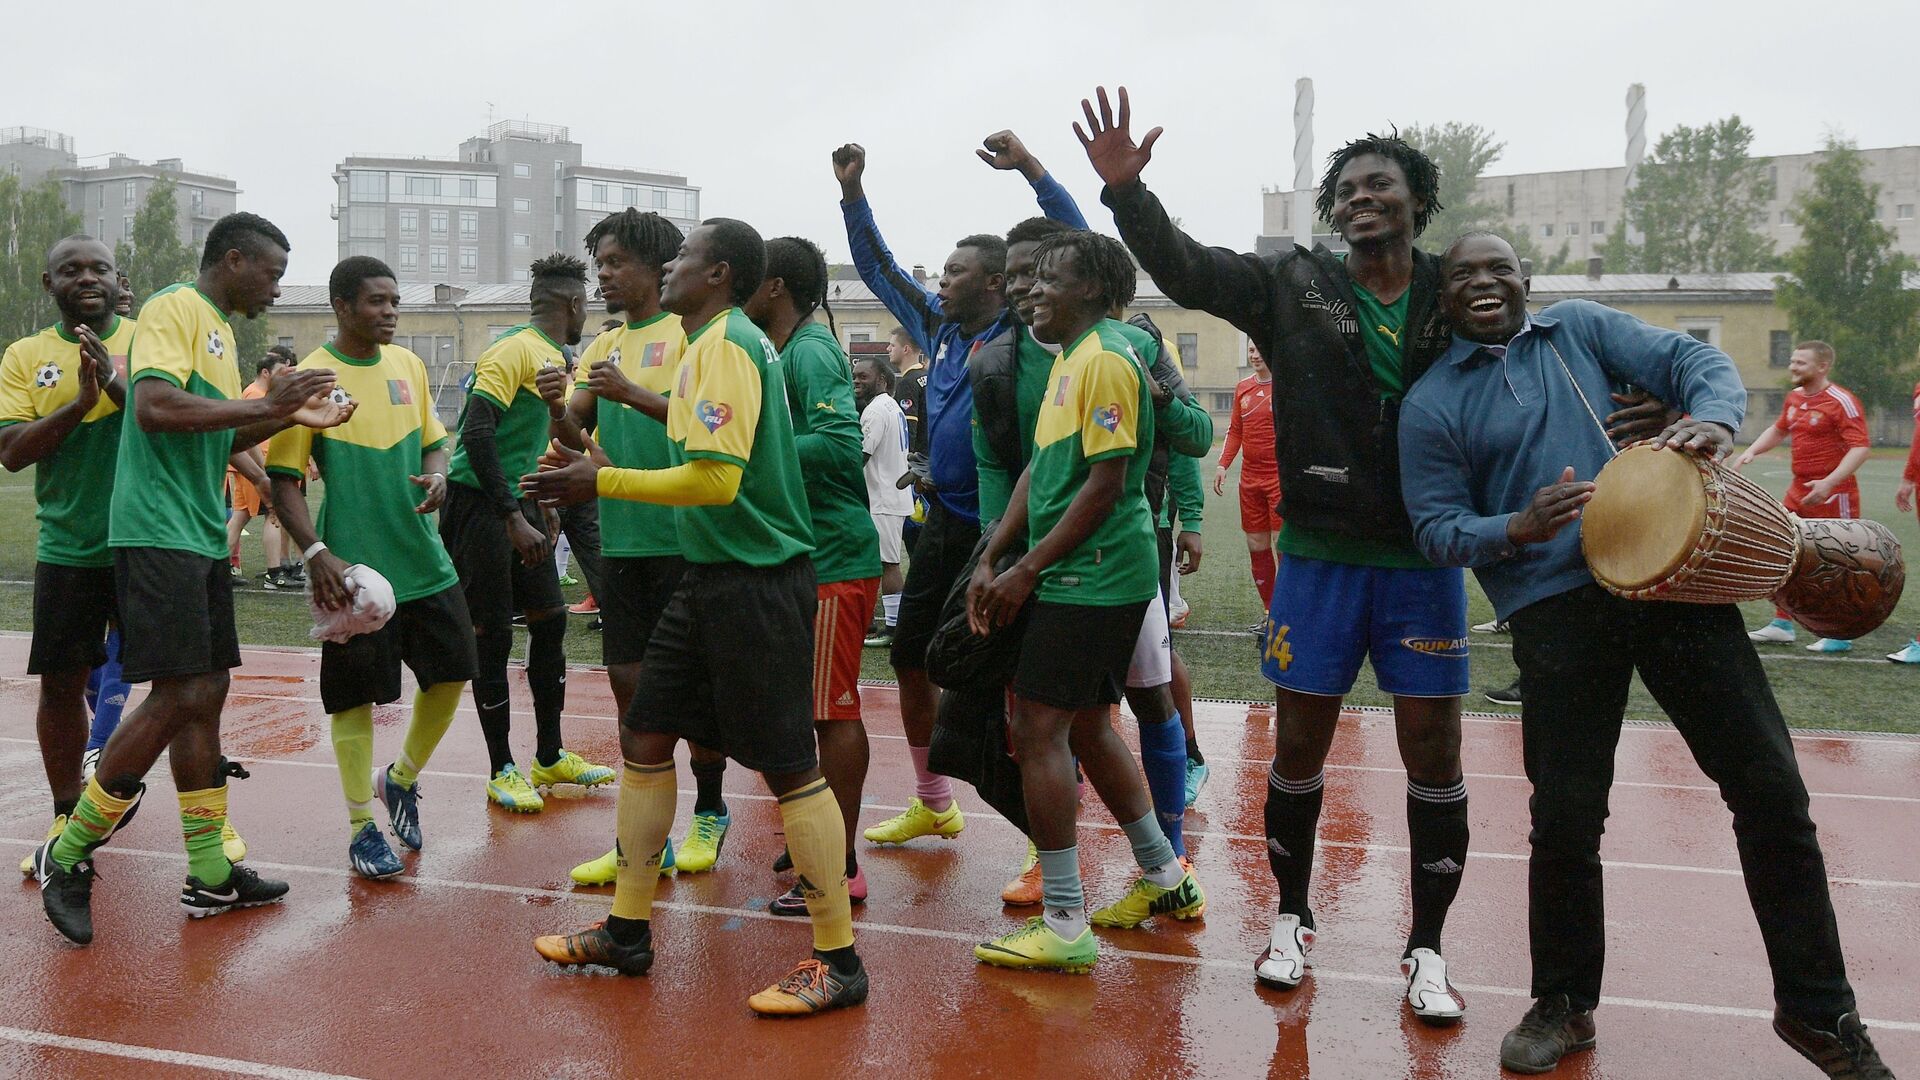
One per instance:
(1032,364)
(1097,406)
(826,435)
(367,463)
(73,486)
(648,353)
(504,375)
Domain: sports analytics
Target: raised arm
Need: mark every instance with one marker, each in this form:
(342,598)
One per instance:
(916,306)
(1003,150)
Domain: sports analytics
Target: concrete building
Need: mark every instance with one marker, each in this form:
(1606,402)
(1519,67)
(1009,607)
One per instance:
(512,195)
(1576,209)
(108,196)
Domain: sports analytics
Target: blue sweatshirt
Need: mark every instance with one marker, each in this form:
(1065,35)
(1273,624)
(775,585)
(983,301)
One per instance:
(949,399)
(1480,434)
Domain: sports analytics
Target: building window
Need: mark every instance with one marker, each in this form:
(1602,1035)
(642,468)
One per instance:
(1573,228)
(130,194)
(1704,328)
(1222,402)
(559,168)
(520,275)
(559,240)
(1786,217)
(366,222)
(409,223)
(659,199)
(521,239)
(100,202)
(630,195)
(365,186)
(599,193)
(284,342)
(469,187)
(523,206)
(437,222)
(409,257)
(423,185)
(100,227)
(1779,348)
(862,332)
(1597,227)
(469,260)
(1546,230)
(1189,346)
(1904,211)
(437,259)
(126,226)
(469,225)
(522,169)
(558,207)
(1509,214)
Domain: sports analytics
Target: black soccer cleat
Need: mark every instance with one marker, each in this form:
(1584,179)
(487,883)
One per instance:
(1845,1052)
(244,889)
(66,894)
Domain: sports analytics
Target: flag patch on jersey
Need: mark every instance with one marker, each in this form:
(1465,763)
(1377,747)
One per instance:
(654,355)
(399,392)
(1060,392)
(1108,416)
(714,414)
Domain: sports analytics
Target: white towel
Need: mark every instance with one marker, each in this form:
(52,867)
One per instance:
(373,605)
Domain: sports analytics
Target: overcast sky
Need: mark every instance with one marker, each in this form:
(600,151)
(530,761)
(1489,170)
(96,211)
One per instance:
(749,104)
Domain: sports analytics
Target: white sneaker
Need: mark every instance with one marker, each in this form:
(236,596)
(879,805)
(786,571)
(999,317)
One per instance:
(1433,998)
(1826,644)
(1777,632)
(1495,626)
(1908,655)
(1284,963)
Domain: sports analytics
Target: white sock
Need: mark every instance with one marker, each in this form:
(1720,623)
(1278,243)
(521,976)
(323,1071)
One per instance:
(890,604)
(1166,876)
(1069,923)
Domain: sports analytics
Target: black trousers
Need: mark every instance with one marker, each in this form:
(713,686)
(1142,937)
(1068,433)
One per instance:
(581,523)
(1577,654)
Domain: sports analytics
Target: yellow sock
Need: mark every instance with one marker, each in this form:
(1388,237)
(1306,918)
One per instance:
(817,839)
(643,819)
(353,750)
(433,709)
(203,814)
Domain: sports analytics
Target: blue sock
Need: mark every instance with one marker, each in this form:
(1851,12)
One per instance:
(106,694)
(1163,756)
(1151,851)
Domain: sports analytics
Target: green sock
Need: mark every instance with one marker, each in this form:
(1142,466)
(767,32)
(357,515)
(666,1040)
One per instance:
(203,814)
(89,825)
(353,749)
(433,709)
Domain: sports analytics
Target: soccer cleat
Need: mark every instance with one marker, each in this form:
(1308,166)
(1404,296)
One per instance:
(568,581)
(370,855)
(234,848)
(1908,655)
(90,764)
(1492,626)
(1036,947)
(1025,889)
(243,889)
(589,606)
(1196,779)
(53,833)
(917,821)
(1552,1029)
(606,869)
(1844,1052)
(511,790)
(1284,963)
(1506,695)
(274,579)
(1145,900)
(812,987)
(700,849)
(880,639)
(784,863)
(1777,632)
(794,900)
(403,806)
(595,945)
(67,895)
(1433,998)
(1831,645)
(570,769)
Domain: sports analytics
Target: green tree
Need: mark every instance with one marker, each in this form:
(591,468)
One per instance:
(1846,287)
(32,220)
(153,257)
(251,337)
(1696,202)
(1462,152)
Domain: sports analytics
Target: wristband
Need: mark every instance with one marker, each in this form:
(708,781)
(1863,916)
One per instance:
(317,547)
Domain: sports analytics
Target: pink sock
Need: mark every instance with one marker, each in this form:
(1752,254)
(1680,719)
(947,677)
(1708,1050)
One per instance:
(931,787)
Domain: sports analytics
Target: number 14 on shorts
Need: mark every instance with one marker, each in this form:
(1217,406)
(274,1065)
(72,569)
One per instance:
(1277,648)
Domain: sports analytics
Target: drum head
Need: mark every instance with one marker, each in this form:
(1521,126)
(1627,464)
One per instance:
(1648,511)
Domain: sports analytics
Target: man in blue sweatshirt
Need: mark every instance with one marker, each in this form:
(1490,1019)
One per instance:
(1500,442)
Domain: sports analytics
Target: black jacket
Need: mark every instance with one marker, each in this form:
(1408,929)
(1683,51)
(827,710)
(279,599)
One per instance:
(1336,437)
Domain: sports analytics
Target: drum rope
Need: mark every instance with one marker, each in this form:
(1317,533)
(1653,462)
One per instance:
(1612,450)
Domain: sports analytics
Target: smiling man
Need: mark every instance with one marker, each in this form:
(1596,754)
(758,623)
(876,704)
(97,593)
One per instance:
(1499,444)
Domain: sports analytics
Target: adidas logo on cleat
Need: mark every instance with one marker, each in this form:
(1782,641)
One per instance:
(1444,866)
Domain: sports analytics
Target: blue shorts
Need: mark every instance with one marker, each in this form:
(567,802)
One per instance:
(1327,617)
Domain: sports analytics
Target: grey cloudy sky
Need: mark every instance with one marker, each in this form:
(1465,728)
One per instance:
(749,98)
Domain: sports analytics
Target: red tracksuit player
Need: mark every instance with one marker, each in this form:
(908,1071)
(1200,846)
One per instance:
(1829,432)
(1251,430)
(1903,501)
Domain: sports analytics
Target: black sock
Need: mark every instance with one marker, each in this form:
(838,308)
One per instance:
(853,866)
(493,646)
(547,678)
(706,787)
(64,808)
(1437,832)
(1293,814)
(626,931)
(1193,752)
(842,961)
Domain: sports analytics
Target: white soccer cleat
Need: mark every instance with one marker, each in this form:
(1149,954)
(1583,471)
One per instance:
(1777,632)
(1284,963)
(1908,655)
(1495,626)
(1432,997)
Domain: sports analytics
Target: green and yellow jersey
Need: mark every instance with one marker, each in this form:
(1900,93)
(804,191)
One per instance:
(367,463)
(1097,407)
(504,375)
(826,430)
(169,489)
(729,403)
(648,353)
(73,485)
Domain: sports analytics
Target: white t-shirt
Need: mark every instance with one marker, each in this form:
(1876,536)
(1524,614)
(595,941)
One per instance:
(883,435)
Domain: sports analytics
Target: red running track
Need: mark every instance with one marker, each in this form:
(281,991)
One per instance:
(433,974)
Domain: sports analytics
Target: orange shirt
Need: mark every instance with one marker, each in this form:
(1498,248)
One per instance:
(1912,475)
(1823,426)
(1250,429)
(253,390)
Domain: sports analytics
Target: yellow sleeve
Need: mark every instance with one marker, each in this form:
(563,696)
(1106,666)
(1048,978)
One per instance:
(702,482)
(16,387)
(596,351)
(432,431)
(1110,398)
(288,451)
(502,370)
(163,345)
(725,397)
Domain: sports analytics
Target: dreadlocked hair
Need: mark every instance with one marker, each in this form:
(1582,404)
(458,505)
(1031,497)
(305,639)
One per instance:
(557,273)
(647,237)
(1099,259)
(803,267)
(1423,176)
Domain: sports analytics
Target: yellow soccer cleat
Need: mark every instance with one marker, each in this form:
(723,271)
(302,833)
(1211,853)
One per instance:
(1145,900)
(53,833)
(701,847)
(1035,947)
(917,821)
(234,848)
(606,869)
(512,792)
(570,769)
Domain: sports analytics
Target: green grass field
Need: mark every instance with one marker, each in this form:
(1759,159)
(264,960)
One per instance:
(1861,691)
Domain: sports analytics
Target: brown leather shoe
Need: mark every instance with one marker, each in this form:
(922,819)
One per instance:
(1551,1029)
(1845,1052)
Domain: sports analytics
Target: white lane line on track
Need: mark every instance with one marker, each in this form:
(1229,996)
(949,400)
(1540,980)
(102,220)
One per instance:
(961,936)
(233,1066)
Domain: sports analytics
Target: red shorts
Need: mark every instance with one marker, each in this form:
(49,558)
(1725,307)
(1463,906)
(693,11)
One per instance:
(839,637)
(1259,504)
(1843,503)
(246,497)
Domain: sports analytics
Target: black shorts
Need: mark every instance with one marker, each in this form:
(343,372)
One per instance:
(176,613)
(1164,539)
(730,666)
(633,593)
(495,581)
(432,635)
(1090,671)
(71,608)
(939,558)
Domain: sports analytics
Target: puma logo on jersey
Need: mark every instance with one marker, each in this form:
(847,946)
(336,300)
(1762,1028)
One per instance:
(1391,335)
